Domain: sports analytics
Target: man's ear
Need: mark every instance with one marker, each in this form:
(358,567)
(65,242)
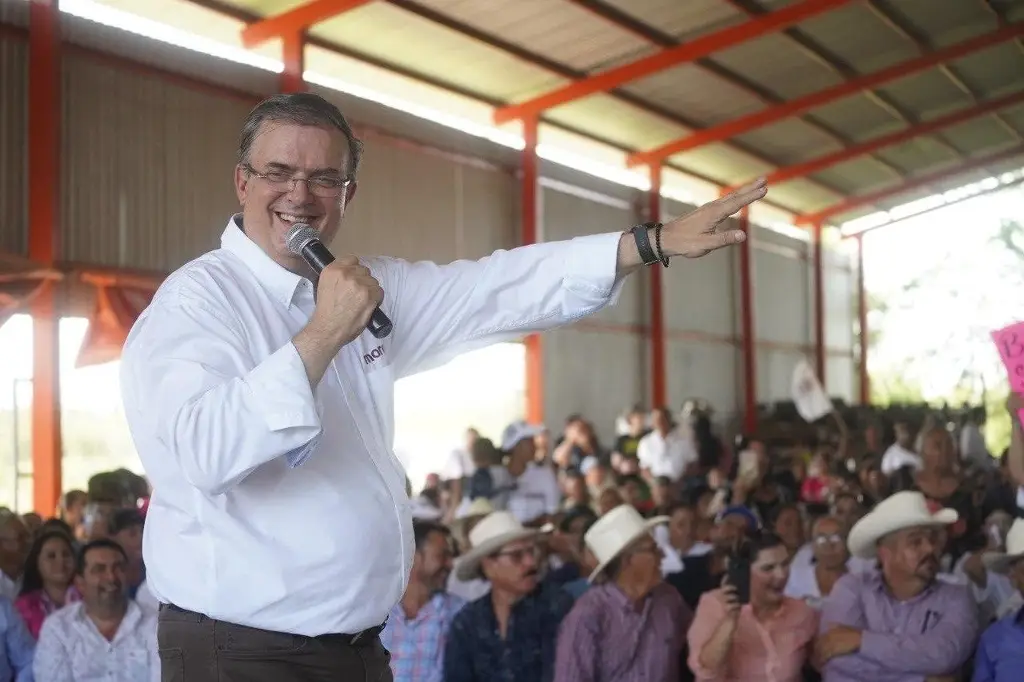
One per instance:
(350,191)
(242,179)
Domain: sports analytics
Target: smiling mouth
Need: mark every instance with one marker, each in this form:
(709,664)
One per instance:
(295,218)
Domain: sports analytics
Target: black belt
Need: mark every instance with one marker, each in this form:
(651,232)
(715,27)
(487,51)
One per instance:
(368,633)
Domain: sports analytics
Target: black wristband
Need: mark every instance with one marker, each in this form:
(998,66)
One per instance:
(643,243)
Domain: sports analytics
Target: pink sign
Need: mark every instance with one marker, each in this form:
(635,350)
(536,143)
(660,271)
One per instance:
(1010,342)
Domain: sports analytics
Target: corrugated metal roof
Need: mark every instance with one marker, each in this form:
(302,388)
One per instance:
(517,49)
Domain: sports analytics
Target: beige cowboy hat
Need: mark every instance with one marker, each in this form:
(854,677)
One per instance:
(1000,562)
(907,509)
(615,531)
(492,533)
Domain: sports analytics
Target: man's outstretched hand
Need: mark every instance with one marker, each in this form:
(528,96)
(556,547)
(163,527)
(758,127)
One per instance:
(701,231)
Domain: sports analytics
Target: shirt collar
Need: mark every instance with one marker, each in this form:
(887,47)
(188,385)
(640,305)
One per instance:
(880,586)
(280,283)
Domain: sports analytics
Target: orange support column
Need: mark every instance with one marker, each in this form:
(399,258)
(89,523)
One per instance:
(44,201)
(293,48)
(530,218)
(819,305)
(658,374)
(862,333)
(747,325)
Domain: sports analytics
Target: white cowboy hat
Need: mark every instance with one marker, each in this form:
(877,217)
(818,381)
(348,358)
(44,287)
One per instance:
(492,533)
(615,531)
(907,509)
(517,431)
(469,512)
(999,562)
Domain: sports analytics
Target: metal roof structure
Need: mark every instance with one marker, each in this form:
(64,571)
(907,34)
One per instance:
(847,106)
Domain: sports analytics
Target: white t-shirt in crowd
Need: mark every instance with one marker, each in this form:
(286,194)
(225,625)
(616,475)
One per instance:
(897,457)
(536,493)
(667,455)
(71,648)
(459,465)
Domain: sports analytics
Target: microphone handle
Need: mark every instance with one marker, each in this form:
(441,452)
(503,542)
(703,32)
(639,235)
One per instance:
(318,257)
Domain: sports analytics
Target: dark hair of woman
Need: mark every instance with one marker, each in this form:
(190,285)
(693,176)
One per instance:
(32,580)
(709,448)
(756,542)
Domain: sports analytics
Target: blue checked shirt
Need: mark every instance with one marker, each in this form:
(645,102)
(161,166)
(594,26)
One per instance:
(477,653)
(417,645)
(17,647)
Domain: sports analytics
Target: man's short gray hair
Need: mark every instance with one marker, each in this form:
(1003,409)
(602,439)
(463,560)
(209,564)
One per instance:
(301,108)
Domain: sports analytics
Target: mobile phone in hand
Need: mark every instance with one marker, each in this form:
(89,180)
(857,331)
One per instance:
(738,575)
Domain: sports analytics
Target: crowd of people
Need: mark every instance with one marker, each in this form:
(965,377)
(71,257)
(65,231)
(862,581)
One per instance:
(670,555)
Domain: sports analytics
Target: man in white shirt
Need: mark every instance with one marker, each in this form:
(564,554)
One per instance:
(900,454)
(106,636)
(536,495)
(264,416)
(665,451)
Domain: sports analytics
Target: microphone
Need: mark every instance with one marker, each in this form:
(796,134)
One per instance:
(303,240)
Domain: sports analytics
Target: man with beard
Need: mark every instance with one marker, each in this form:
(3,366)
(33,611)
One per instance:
(899,622)
(417,628)
(509,634)
(106,635)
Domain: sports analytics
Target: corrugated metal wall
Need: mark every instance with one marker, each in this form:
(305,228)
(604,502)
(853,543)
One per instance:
(147,163)
(13,144)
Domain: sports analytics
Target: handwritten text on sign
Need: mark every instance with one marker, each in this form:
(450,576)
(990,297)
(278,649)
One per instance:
(1010,342)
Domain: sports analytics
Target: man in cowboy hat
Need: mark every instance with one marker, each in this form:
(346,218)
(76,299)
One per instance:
(898,622)
(509,633)
(633,625)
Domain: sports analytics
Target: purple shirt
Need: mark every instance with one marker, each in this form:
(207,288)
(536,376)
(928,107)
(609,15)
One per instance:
(606,639)
(932,634)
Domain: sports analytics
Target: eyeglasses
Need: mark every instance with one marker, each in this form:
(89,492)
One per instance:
(284,181)
(833,539)
(517,556)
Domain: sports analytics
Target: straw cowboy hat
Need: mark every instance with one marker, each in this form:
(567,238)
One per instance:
(1000,562)
(907,509)
(615,531)
(492,533)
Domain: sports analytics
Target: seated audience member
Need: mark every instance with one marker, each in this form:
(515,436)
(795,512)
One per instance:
(847,508)
(609,499)
(416,631)
(568,541)
(16,645)
(576,492)
(703,573)
(586,563)
(48,584)
(126,530)
(900,622)
(787,522)
(490,479)
(106,635)
(467,519)
(901,453)
(508,634)
(814,488)
(667,450)
(768,638)
(814,580)
(72,511)
(678,538)
(536,496)
(632,626)
(15,542)
(1000,655)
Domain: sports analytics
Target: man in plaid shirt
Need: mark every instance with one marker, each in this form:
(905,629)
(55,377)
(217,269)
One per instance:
(417,628)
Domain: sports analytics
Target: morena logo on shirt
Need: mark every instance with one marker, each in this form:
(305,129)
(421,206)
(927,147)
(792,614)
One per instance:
(373,355)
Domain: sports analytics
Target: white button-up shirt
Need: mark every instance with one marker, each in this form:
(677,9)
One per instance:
(667,455)
(284,508)
(536,493)
(71,648)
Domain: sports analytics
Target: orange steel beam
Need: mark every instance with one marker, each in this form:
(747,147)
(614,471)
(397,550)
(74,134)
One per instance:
(296,20)
(659,374)
(529,219)
(828,160)
(795,107)
(920,181)
(43,184)
(682,54)
(293,49)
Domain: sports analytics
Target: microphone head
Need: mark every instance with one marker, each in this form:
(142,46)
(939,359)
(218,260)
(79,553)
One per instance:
(299,237)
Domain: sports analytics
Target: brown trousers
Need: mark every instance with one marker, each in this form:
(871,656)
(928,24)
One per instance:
(200,649)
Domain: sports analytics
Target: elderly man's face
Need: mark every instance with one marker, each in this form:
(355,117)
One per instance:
(514,567)
(14,542)
(269,212)
(829,544)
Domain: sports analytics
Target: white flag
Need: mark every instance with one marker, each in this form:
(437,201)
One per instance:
(810,398)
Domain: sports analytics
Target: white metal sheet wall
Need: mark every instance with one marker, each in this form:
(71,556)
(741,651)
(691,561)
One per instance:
(598,366)
(146,168)
(13,145)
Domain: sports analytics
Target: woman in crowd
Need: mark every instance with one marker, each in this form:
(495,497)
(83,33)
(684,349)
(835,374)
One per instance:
(768,638)
(47,584)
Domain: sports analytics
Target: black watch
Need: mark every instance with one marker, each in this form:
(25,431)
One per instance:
(642,236)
